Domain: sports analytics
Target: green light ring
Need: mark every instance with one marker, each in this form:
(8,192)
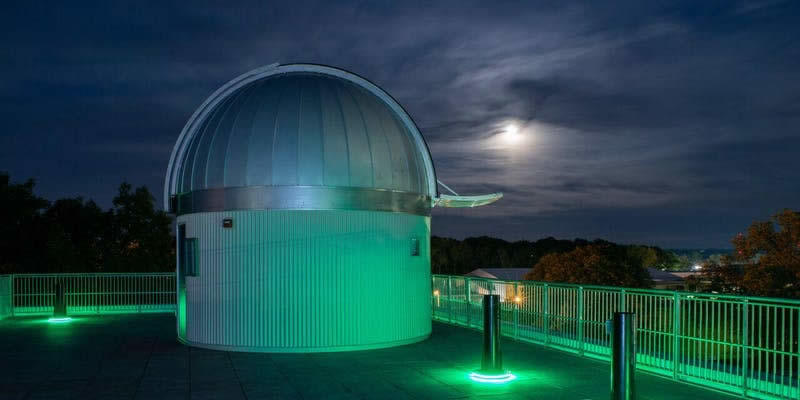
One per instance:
(59,320)
(499,378)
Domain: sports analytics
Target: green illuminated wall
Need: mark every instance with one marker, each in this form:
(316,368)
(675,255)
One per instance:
(307,280)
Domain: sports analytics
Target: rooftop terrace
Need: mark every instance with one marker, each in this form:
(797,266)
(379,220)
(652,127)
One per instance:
(137,356)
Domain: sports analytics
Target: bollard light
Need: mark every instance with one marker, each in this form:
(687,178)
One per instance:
(59,306)
(492,362)
(623,356)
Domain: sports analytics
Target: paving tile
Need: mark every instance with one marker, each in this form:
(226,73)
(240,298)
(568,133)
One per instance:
(270,391)
(216,390)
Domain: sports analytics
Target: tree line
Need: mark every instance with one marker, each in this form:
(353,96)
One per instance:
(555,260)
(75,235)
(765,260)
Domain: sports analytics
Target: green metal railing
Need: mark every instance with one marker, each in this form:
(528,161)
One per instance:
(5,296)
(743,345)
(93,293)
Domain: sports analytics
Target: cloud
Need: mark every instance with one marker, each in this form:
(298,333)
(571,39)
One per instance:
(661,108)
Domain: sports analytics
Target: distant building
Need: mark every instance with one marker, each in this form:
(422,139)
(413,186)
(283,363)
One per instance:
(503,274)
(664,280)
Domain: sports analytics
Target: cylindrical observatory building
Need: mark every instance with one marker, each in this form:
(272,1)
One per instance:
(303,196)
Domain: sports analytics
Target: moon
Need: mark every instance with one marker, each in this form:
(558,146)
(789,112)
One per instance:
(510,134)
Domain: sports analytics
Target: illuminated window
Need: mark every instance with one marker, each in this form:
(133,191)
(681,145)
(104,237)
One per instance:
(187,253)
(192,261)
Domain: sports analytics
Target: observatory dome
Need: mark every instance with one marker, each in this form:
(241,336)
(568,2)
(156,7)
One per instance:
(303,197)
(300,136)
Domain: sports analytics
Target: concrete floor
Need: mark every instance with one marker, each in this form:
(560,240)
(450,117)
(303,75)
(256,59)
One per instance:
(136,356)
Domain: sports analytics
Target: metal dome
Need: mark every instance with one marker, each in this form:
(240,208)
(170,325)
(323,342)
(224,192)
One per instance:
(300,136)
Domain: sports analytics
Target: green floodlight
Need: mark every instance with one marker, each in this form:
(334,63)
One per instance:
(492,378)
(59,320)
(492,363)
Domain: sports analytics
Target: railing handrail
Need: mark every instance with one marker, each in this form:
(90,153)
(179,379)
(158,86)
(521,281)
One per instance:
(662,292)
(92,274)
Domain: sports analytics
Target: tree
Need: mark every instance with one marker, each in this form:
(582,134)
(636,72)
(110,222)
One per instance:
(642,255)
(594,264)
(75,233)
(20,213)
(770,258)
(765,261)
(451,256)
(719,277)
(139,236)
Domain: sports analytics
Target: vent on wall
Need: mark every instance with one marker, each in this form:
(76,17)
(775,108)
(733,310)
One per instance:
(414,246)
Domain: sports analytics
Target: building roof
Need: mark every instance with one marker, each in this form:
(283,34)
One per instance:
(300,125)
(658,275)
(505,274)
(686,274)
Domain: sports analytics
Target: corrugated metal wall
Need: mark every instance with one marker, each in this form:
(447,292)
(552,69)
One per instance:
(304,280)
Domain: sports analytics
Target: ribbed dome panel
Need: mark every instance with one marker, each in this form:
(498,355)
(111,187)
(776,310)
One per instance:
(303,129)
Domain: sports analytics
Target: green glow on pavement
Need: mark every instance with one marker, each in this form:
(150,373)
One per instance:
(62,320)
(492,378)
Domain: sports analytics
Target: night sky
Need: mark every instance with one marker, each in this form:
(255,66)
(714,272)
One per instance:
(670,124)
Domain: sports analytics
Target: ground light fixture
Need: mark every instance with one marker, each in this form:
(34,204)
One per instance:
(492,378)
(491,371)
(59,306)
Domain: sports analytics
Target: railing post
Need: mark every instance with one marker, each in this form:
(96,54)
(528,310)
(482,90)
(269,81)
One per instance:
(516,310)
(98,281)
(138,296)
(580,320)
(13,284)
(546,314)
(622,300)
(468,297)
(745,345)
(433,299)
(449,299)
(676,330)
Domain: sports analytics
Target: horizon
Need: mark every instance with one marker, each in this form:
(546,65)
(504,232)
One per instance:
(530,240)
